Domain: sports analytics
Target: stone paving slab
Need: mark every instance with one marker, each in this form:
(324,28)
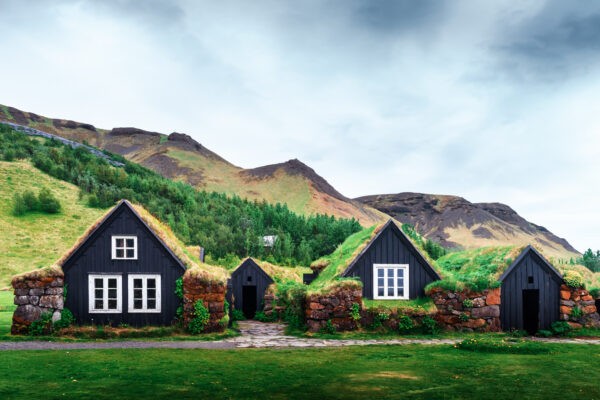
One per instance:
(253,335)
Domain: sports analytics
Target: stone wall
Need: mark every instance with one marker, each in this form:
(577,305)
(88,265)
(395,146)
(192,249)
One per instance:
(37,293)
(570,298)
(467,310)
(334,306)
(212,294)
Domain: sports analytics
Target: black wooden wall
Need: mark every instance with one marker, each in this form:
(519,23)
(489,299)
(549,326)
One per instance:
(517,280)
(249,274)
(391,247)
(94,257)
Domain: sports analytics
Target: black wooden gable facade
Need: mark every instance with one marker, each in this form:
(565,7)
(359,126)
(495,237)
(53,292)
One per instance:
(122,273)
(248,285)
(530,293)
(388,263)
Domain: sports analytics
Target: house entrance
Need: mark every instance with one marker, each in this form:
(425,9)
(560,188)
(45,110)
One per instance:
(531,310)
(249,302)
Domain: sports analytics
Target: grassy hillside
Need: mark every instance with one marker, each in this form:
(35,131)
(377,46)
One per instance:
(37,239)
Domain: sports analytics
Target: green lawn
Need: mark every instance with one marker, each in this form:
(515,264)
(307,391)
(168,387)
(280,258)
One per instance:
(6,311)
(413,372)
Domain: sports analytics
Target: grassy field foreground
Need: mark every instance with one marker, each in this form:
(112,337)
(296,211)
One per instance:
(413,372)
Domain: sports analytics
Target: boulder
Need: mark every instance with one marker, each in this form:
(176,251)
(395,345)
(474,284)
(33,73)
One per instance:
(21,300)
(478,302)
(493,297)
(565,310)
(51,301)
(487,311)
(316,306)
(565,294)
(567,303)
(26,314)
(474,323)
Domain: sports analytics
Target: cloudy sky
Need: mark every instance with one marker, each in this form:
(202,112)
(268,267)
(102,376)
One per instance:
(489,100)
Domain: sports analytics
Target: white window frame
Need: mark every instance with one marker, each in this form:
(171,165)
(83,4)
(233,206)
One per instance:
(144,278)
(385,267)
(125,248)
(92,294)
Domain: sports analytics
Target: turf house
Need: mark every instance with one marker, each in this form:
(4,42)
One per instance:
(530,293)
(385,260)
(123,270)
(249,283)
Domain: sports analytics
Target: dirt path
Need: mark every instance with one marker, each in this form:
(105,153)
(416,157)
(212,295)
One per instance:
(253,335)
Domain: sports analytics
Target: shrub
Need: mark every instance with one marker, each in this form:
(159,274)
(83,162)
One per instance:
(405,323)
(429,325)
(544,333)
(576,312)
(31,202)
(595,293)
(179,288)
(237,315)
(573,279)
(463,317)
(19,208)
(517,333)
(561,328)
(42,326)
(66,319)
(47,202)
(262,317)
(201,318)
(355,312)
(468,303)
(329,328)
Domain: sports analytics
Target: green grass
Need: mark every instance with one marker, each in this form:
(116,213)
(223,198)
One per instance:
(340,258)
(31,244)
(6,311)
(420,303)
(382,372)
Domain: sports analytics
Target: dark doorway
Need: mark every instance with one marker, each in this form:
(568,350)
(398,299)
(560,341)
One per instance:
(249,301)
(531,310)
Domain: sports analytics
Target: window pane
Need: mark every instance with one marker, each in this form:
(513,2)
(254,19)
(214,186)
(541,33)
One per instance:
(137,304)
(151,293)
(112,283)
(130,254)
(151,304)
(120,242)
(380,291)
(390,272)
(391,282)
(137,294)
(98,282)
(120,253)
(380,281)
(112,293)
(400,282)
(390,291)
(380,273)
(112,304)
(401,292)
(151,283)
(137,283)
(98,304)
(400,272)
(98,293)
(129,242)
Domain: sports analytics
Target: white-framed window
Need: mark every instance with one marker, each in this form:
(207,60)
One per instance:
(144,293)
(390,281)
(104,293)
(124,247)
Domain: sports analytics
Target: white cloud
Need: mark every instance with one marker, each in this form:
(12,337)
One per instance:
(433,97)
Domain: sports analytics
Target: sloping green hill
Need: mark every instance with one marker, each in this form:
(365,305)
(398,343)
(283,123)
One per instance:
(37,239)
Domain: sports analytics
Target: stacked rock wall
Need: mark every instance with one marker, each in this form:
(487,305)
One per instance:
(578,307)
(335,306)
(212,294)
(36,294)
(468,311)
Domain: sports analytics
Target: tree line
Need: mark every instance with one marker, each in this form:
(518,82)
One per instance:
(223,225)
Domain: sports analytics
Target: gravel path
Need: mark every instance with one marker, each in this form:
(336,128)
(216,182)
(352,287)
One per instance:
(253,335)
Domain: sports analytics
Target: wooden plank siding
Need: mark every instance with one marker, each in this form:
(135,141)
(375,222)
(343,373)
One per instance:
(392,247)
(545,279)
(248,274)
(95,257)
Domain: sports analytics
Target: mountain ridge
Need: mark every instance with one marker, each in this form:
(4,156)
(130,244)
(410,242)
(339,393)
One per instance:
(450,220)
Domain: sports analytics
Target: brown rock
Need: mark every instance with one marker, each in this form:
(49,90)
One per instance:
(575,296)
(474,323)
(565,310)
(493,297)
(565,294)
(587,298)
(26,314)
(487,311)
(21,300)
(588,309)
(574,325)
(478,302)
(316,306)
(51,301)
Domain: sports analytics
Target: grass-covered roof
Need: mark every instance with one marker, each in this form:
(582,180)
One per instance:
(277,273)
(164,234)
